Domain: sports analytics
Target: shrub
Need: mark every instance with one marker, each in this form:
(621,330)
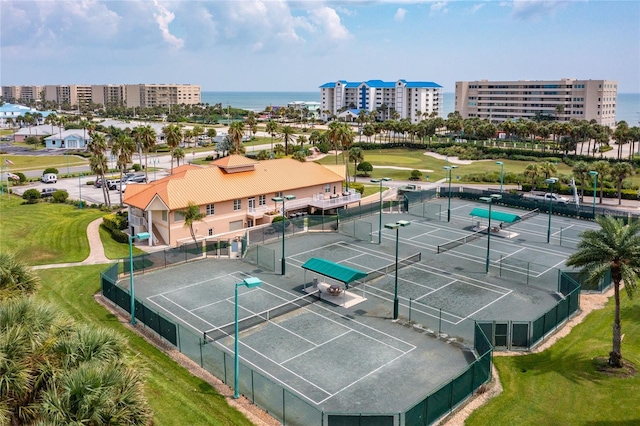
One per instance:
(357,186)
(114,222)
(50,170)
(323,147)
(22,177)
(365,167)
(60,196)
(137,167)
(415,175)
(119,236)
(31,196)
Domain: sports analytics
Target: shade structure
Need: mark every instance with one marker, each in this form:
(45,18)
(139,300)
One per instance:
(499,216)
(333,270)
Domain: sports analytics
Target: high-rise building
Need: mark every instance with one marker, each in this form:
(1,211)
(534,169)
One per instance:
(400,99)
(21,93)
(560,100)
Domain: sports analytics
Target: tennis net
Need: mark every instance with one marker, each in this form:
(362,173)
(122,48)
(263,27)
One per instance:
(460,241)
(407,261)
(260,317)
(523,217)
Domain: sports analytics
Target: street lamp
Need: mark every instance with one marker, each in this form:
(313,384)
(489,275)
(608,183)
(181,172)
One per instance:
(396,226)
(66,154)
(595,184)
(154,162)
(501,173)
(449,169)
(385,179)
(284,219)
(550,181)
(80,189)
(250,282)
(493,198)
(140,236)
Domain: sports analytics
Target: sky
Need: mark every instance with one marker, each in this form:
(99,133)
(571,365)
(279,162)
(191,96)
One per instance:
(278,45)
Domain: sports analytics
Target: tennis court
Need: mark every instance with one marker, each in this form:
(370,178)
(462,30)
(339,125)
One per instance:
(318,350)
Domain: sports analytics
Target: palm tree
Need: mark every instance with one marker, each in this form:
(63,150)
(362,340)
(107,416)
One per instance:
(581,171)
(173,136)
(99,163)
(178,154)
(603,168)
(192,214)
(621,136)
(145,139)
(123,148)
(357,156)
(286,133)
(236,132)
(616,247)
(16,278)
(547,168)
(532,172)
(272,129)
(619,172)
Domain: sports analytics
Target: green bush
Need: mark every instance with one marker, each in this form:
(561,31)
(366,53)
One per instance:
(31,196)
(22,177)
(357,186)
(323,147)
(415,175)
(365,167)
(50,170)
(114,222)
(60,196)
(119,236)
(137,167)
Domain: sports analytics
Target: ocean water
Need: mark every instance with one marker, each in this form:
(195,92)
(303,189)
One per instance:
(628,108)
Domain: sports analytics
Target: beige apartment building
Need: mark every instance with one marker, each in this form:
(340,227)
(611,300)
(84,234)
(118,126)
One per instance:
(562,99)
(129,95)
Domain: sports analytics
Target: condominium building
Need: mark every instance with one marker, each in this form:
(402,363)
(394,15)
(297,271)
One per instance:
(561,100)
(128,95)
(399,99)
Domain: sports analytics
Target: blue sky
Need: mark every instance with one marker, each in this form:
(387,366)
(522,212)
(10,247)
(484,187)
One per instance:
(273,45)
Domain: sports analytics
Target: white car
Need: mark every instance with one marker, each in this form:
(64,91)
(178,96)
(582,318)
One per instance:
(49,178)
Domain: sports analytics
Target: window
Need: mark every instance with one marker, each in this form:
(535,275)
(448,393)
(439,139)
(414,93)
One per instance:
(210,232)
(327,188)
(178,216)
(262,200)
(210,209)
(279,194)
(164,215)
(237,205)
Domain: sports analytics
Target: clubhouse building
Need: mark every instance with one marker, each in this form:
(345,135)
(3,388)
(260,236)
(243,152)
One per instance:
(560,100)
(233,193)
(413,100)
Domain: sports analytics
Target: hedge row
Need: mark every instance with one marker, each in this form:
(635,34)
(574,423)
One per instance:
(626,194)
(114,223)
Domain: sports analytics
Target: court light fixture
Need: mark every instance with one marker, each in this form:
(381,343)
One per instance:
(501,164)
(595,184)
(251,282)
(384,179)
(396,226)
(449,169)
(282,200)
(490,200)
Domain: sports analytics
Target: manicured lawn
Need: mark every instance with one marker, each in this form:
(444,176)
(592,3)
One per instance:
(23,163)
(45,232)
(176,397)
(113,249)
(562,386)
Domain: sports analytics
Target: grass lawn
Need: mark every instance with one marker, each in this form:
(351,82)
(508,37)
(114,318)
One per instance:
(23,163)
(113,249)
(176,397)
(562,386)
(415,159)
(45,232)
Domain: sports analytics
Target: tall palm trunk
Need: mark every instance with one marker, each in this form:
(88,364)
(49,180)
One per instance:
(615,356)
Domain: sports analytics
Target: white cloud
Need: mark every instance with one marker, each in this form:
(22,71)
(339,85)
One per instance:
(329,20)
(439,7)
(400,14)
(476,7)
(163,18)
(534,9)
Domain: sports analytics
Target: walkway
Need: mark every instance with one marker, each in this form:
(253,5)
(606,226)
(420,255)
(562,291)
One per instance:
(96,250)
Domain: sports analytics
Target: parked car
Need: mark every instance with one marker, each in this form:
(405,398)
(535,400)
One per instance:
(49,178)
(48,192)
(111,183)
(546,197)
(98,183)
(136,179)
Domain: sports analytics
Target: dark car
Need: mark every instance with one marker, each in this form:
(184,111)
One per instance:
(48,192)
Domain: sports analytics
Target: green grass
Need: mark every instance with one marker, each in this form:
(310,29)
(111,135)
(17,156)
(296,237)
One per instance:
(23,163)
(176,397)
(113,249)
(45,232)
(562,385)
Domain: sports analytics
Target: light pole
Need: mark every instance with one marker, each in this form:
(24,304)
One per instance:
(385,179)
(595,184)
(490,200)
(132,293)
(501,173)
(284,219)
(550,181)
(154,161)
(80,189)
(449,169)
(66,154)
(396,226)
(250,282)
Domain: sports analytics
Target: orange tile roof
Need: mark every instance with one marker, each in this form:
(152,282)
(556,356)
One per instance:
(207,185)
(234,161)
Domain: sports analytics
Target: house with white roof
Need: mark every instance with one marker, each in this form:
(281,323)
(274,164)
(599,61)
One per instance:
(69,139)
(13,111)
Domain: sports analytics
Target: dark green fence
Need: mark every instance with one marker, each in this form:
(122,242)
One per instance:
(366,210)
(150,318)
(602,285)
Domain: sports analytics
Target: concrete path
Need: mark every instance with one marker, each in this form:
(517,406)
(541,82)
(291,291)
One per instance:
(96,255)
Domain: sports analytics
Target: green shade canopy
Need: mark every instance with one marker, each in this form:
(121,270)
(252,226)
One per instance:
(499,216)
(333,270)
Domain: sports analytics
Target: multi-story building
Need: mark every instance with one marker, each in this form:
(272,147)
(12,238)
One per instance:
(128,95)
(400,99)
(561,100)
